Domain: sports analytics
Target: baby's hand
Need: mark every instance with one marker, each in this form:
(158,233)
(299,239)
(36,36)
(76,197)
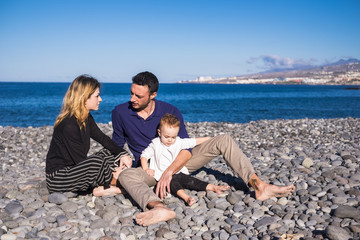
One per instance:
(150,172)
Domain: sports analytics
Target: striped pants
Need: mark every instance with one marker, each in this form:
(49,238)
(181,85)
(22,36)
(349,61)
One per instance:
(94,171)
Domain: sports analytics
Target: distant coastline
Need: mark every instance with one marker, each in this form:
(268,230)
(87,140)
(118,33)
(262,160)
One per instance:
(340,73)
(356,85)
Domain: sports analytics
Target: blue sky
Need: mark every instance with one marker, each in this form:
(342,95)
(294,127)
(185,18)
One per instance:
(176,40)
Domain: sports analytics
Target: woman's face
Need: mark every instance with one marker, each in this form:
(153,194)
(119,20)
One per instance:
(92,104)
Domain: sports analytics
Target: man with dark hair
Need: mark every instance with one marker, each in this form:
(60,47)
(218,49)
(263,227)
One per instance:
(136,122)
(147,79)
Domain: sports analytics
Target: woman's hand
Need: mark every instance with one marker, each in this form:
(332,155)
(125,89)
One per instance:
(125,161)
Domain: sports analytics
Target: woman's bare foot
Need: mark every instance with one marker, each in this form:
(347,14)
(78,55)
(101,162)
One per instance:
(100,191)
(264,191)
(159,213)
(216,188)
(116,176)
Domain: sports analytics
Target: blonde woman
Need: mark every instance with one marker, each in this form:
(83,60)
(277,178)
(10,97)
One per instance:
(68,168)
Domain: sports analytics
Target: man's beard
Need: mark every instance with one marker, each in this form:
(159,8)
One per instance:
(141,107)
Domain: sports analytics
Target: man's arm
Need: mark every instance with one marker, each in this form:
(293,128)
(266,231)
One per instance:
(163,185)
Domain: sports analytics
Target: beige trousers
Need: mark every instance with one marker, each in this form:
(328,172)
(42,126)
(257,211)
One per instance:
(136,182)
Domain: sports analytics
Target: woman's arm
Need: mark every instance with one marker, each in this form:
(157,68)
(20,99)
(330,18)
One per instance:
(103,139)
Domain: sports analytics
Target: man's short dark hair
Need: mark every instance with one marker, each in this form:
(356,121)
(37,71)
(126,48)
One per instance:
(147,79)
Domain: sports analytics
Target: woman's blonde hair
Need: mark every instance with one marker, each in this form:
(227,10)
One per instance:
(75,98)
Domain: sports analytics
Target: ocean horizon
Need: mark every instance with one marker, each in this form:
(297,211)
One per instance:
(37,104)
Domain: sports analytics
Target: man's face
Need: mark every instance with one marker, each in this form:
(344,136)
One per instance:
(140,97)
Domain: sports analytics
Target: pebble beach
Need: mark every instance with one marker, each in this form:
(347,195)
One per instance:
(320,156)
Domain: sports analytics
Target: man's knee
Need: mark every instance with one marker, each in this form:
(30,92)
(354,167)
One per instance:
(128,174)
(224,138)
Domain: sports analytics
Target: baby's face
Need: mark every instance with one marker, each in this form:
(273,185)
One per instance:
(168,134)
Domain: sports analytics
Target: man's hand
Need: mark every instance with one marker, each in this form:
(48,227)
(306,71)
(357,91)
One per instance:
(125,161)
(163,185)
(150,172)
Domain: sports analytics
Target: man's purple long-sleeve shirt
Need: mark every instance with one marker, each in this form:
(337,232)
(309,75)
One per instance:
(129,127)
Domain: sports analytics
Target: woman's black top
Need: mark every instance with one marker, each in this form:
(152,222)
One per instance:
(70,145)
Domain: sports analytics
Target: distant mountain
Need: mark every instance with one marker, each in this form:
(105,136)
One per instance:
(312,67)
(296,67)
(341,66)
(342,62)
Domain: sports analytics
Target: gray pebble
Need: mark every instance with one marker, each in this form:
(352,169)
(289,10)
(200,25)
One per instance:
(313,190)
(61,219)
(344,211)
(264,222)
(99,223)
(14,208)
(307,162)
(57,198)
(222,204)
(8,236)
(234,197)
(337,233)
(69,207)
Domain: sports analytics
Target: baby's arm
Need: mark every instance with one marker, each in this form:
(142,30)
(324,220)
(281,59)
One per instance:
(145,167)
(200,140)
(144,163)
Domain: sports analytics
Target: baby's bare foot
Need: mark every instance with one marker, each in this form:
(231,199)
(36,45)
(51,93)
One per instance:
(216,188)
(191,201)
(221,189)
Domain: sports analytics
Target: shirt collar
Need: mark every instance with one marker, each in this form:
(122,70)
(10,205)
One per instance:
(156,111)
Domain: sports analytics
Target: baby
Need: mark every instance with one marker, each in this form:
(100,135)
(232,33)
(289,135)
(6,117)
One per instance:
(163,150)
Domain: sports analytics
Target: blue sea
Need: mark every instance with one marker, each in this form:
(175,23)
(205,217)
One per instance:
(38,104)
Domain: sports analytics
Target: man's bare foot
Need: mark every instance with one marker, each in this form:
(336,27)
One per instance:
(264,191)
(216,188)
(100,191)
(269,191)
(159,213)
